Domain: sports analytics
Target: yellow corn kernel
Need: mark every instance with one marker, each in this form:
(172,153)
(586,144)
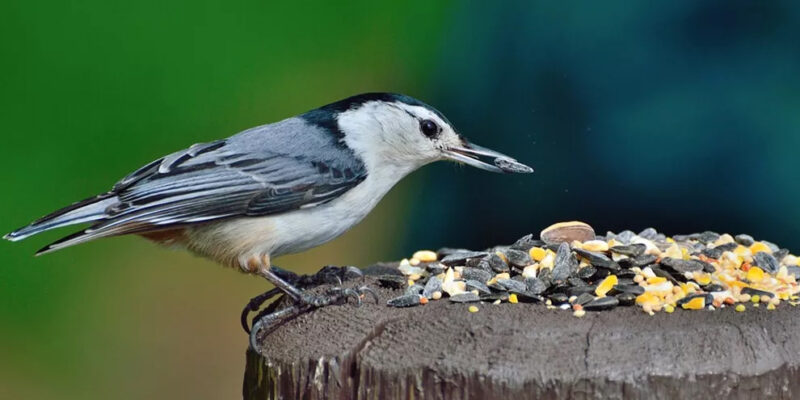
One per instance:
(696,303)
(758,246)
(669,309)
(646,298)
(605,285)
(670,240)
(770,306)
(755,274)
(512,298)
(741,250)
(702,278)
(740,307)
(473,309)
(537,253)
(685,253)
(755,298)
(656,280)
(425,256)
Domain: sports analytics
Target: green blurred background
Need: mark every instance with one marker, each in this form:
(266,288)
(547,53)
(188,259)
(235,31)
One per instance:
(680,115)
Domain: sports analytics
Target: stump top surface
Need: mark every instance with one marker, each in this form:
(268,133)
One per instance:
(527,348)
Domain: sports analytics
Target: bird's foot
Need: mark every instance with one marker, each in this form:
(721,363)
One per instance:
(326,275)
(337,295)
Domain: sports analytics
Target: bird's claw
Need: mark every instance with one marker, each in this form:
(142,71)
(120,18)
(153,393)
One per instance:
(333,295)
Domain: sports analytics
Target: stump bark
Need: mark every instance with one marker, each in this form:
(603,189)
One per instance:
(525,351)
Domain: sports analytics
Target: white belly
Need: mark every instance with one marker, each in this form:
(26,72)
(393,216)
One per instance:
(232,241)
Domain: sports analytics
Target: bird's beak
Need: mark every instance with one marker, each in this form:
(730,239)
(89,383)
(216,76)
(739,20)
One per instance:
(470,154)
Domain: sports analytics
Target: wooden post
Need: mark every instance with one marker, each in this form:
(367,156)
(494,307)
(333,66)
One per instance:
(525,351)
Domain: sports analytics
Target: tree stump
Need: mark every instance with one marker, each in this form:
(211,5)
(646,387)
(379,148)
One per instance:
(526,351)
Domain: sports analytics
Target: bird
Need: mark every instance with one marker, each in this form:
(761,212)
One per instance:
(274,189)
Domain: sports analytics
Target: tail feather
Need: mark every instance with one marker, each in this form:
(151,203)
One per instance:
(91,209)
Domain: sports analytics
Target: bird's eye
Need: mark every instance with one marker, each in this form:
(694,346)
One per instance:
(428,128)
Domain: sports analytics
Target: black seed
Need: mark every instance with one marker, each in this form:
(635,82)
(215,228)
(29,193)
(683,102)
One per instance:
(708,237)
(626,299)
(744,240)
(649,234)
(414,289)
(598,260)
(602,273)
(408,300)
(625,236)
(713,288)
(477,285)
(712,253)
(434,284)
(526,242)
(587,272)
(511,284)
(497,264)
(558,298)
(435,268)
(632,289)
(460,258)
(583,299)
(631,250)
(546,275)
(467,297)
(766,262)
(528,297)
(446,251)
(683,238)
(476,274)
(727,246)
(602,303)
(675,279)
(537,286)
(794,271)
(574,281)
(494,296)
(626,274)
(565,263)
(681,266)
(707,267)
(579,290)
(518,258)
(780,254)
(392,281)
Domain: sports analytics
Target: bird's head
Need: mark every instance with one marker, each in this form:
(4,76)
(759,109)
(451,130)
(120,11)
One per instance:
(386,128)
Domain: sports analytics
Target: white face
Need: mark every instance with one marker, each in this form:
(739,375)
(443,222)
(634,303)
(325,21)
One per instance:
(398,132)
(406,137)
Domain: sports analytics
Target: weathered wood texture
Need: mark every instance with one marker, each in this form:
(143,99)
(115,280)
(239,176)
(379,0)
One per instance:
(524,351)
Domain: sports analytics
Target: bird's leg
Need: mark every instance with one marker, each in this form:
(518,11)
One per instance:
(303,300)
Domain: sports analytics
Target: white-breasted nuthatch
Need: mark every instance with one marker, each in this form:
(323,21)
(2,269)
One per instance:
(274,189)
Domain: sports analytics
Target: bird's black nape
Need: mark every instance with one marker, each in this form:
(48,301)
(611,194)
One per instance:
(325,116)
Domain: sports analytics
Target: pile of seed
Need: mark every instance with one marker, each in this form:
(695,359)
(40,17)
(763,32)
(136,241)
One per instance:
(571,268)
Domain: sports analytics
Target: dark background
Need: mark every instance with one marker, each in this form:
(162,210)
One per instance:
(679,115)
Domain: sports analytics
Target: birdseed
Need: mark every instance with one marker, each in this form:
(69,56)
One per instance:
(571,266)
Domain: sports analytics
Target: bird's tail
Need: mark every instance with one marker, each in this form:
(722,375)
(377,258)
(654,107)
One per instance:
(91,209)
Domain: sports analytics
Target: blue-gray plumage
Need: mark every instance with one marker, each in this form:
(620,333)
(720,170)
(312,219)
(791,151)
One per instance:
(274,189)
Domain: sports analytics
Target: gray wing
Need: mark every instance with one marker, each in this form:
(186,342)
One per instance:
(266,170)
